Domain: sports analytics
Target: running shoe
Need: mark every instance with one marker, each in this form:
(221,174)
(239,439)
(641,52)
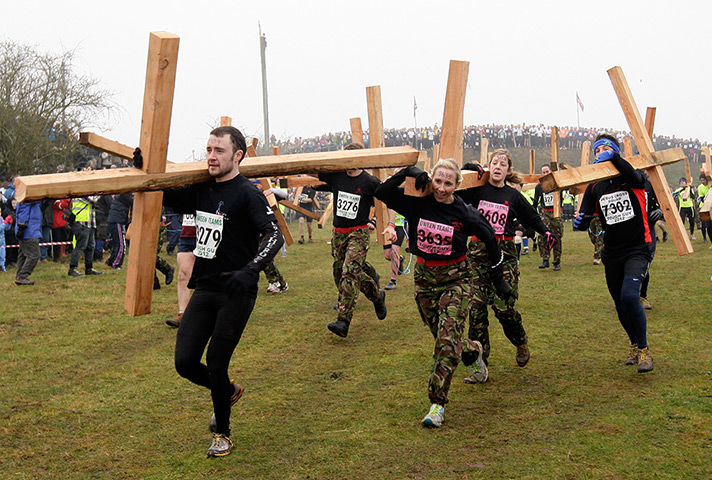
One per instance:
(435,417)
(522,356)
(632,355)
(221,446)
(391,285)
(645,360)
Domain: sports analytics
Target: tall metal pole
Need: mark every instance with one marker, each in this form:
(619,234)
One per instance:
(267,148)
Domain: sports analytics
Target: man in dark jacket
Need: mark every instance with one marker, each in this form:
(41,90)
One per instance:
(28,230)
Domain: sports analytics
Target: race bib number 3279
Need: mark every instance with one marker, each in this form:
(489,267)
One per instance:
(208,234)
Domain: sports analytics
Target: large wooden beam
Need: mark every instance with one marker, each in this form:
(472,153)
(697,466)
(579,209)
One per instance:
(79,184)
(572,177)
(644,142)
(100,143)
(377,140)
(155,127)
(453,116)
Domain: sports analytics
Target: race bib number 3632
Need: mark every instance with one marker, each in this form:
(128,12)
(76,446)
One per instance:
(435,238)
(208,234)
(347,205)
(616,207)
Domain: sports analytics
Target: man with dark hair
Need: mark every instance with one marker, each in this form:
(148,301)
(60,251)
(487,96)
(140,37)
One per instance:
(236,236)
(622,206)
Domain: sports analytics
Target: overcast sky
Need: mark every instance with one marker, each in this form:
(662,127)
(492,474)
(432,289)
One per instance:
(527,61)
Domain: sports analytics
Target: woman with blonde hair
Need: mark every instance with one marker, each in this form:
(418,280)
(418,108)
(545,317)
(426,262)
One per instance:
(439,226)
(504,207)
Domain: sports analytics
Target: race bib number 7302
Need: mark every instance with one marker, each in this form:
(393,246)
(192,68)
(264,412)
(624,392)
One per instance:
(616,207)
(208,234)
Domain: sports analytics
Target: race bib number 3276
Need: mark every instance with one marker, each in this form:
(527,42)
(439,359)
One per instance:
(347,205)
(208,234)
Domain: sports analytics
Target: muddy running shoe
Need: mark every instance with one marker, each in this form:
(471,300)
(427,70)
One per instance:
(646,303)
(544,264)
(221,446)
(479,371)
(645,360)
(596,261)
(283,288)
(391,285)
(273,288)
(213,425)
(632,355)
(522,356)
(435,417)
(557,267)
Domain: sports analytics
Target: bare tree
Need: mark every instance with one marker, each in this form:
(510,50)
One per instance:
(44,103)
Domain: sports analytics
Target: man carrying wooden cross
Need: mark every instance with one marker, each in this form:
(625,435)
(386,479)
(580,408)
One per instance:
(621,204)
(230,216)
(353,192)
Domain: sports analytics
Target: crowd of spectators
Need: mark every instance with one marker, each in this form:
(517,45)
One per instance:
(499,136)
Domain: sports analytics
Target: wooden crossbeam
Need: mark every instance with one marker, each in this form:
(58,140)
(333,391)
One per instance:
(484,152)
(572,177)
(120,180)
(644,142)
(299,209)
(100,143)
(303,181)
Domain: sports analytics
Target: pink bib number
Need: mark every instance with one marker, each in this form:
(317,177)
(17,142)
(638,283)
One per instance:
(435,238)
(496,215)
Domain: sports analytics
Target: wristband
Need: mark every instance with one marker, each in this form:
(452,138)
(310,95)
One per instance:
(391,224)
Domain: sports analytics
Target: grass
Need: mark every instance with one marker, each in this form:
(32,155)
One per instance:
(88,392)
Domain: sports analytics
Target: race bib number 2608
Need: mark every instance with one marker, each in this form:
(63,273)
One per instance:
(208,234)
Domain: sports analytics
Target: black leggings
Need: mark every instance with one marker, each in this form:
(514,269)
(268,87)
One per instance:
(219,319)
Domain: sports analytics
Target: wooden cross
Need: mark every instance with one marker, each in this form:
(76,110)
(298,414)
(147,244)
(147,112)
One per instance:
(649,160)
(156,174)
(377,139)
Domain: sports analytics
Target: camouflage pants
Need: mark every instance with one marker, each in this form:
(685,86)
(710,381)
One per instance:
(595,233)
(351,270)
(555,226)
(508,316)
(161,264)
(443,297)
(273,275)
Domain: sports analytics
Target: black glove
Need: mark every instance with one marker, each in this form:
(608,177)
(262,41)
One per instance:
(501,287)
(422,179)
(21,227)
(238,281)
(137,158)
(474,167)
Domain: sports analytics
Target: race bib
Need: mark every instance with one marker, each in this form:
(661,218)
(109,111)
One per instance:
(208,234)
(435,238)
(548,199)
(347,205)
(616,207)
(188,220)
(496,215)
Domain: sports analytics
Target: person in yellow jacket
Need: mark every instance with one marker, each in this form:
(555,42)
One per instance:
(706,224)
(83,229)
(686,201)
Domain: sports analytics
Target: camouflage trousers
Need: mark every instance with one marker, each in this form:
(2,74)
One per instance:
(161,264)
(443,297)
(351,270)
(555,226)
(484,294)
(273,275)
(595,233)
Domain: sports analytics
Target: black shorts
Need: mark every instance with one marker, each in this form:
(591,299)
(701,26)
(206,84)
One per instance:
(186,244)
(306,206)
(400,232)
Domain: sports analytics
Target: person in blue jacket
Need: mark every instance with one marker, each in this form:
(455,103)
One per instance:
(28,230)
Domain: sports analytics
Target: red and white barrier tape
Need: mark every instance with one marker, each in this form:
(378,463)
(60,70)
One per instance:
(41,244)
